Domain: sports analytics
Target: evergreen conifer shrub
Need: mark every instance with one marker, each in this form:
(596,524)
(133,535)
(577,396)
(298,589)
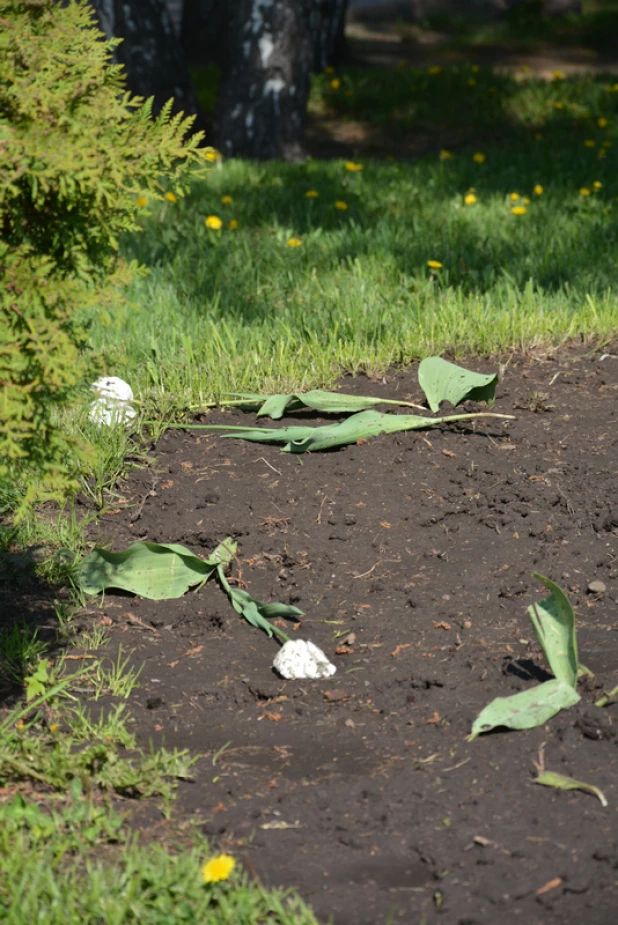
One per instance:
(76,152)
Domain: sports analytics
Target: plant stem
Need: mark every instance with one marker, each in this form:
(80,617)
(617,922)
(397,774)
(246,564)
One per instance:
(606,698)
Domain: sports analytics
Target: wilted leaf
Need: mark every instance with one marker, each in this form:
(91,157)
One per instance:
(444,381)
(255,612)
(156,571)
(553,620)
(561,782)
(354,429)
(275,406)
(526,709)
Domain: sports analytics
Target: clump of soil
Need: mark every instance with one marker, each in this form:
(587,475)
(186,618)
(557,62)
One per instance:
(412,557)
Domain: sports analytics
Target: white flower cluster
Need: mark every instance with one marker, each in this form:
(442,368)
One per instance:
(299,659)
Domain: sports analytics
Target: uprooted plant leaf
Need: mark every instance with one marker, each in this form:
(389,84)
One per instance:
(444,381)
(156,571)
(553,621)
(275,406)
(526,709)
(361,426)
(255,612)
(561,782)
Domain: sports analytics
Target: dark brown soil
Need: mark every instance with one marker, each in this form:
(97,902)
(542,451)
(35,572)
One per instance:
(416,551)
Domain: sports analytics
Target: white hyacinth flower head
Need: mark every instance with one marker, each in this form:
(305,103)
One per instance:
(299,659)
(113,402)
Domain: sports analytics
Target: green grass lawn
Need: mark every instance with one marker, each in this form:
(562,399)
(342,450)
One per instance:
(239,308)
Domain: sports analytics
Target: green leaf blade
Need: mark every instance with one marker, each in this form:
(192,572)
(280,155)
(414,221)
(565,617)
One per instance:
(444,381)
(526,709)
(562,782)
(553,621)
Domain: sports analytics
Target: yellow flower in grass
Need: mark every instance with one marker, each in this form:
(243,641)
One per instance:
(597,185)
(434,264)
(311,194)
(478,157)
(519,210)
(210,154)
(584,191)
(602,123)
(20,724)
(233,224)
(470,199)
(558,75)
(141,201)
(558,105)
(227,200)
(589,143)
(329,70)
(213,222)
(335,83)
(54,727)
(218,868)
(445,155)
(538,136)
(515,197)
(434,69)
(606,144)
(170,197)
(341,205)
(294,242)
(538,190)
(353,167)
(526,201)
(471,82)
(475,68)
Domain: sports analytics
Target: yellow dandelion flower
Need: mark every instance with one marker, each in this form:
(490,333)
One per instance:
(233,224)
(538,190)
(606,144)
(615,88)
(471,82)
(602,123)
(401,63)
(470,199)
(352,166)
(472,189)
(294,242)
(141,201)
(20,724)
(558,105)
(515,196)
(445,155)
(475,68)
(434,264)
(538,136)
(329,70)
(525,68)
(227,200)
(597,185)
(478,157)
(341,205)
(602,153)
(584,191)
(54,727)
(218,868)
(213,222)
(590,143)
(434,69)
(526,201)
(311,194)
(335,83)
(519,210)
(210,154)
(170,197)
(558,75)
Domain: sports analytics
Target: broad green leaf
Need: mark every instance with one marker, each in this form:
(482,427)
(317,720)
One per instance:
(359,426)
(36,683)
(156,571)
(553,621)
(444,381)
(561,782)
(526,709)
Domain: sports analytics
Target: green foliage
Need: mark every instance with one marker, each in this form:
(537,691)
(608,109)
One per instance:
(76,151)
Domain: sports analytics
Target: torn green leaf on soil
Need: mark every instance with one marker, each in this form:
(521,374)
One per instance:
(526,709)
(444,381)
(561,782)
(553,621)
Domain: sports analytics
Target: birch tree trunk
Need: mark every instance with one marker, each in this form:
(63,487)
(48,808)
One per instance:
(264,88)
(151,53)
(327,30)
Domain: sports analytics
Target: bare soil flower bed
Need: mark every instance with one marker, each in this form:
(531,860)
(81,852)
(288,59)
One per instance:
(411,556)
